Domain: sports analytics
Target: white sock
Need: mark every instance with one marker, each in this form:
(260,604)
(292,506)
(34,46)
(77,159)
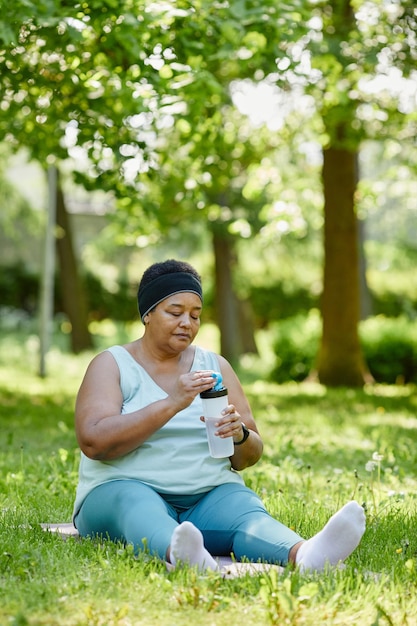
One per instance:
(336,541)
(187,546)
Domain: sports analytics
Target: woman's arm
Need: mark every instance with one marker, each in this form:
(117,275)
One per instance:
(101,433)
(250,451)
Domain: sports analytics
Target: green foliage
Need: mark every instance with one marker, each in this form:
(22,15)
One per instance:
(14,12)
(117,305)
(393,294)
(391,276)
(348,42)
(389,346)
(17,218)
(19,288)
(280,301)
(296,343)
(143,91)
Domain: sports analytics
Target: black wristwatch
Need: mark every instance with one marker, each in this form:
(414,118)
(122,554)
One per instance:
(246,433)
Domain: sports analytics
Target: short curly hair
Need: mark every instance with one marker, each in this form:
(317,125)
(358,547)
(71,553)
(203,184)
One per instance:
(170,266)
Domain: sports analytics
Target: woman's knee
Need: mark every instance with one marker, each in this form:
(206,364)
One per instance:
(130,512)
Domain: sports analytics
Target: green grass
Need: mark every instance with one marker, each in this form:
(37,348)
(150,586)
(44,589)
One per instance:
(322,448)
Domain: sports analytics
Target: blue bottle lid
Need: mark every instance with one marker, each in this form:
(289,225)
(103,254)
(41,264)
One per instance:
(218,390)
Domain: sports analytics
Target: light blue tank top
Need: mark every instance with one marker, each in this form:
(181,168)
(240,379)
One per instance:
(175,459)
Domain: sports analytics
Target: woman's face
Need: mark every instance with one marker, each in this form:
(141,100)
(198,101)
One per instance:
(176,320)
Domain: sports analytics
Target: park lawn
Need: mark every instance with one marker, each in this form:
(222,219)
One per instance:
(322,448)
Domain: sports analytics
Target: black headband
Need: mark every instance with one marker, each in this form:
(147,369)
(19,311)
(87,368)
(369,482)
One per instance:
(164,286)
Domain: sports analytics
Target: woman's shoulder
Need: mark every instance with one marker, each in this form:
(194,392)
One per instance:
(116,354)
(205,359)
(122,354)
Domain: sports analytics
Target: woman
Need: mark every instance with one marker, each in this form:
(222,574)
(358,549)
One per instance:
(146,475)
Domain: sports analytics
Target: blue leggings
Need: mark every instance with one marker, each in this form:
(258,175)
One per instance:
(231,517)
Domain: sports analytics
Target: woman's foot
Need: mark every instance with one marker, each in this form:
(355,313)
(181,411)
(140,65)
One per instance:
(337,540)
(187,546)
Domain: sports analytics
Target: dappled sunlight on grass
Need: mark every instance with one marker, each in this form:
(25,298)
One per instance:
(391,391)
(321,443)
(287,390)
(409,423)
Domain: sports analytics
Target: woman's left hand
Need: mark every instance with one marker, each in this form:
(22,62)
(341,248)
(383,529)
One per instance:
(229,424)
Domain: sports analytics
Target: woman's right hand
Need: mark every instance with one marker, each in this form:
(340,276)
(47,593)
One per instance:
(189,385)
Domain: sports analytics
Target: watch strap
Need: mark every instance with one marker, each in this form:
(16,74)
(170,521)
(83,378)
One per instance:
(246,433)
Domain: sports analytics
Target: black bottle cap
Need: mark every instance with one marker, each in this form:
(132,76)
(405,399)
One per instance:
(213,393)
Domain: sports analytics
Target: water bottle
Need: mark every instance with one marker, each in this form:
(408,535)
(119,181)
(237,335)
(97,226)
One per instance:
(214,401)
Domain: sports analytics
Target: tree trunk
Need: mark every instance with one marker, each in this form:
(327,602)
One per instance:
(234,316)
(73,293)
(246,327)
(340,359)
(225,299)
